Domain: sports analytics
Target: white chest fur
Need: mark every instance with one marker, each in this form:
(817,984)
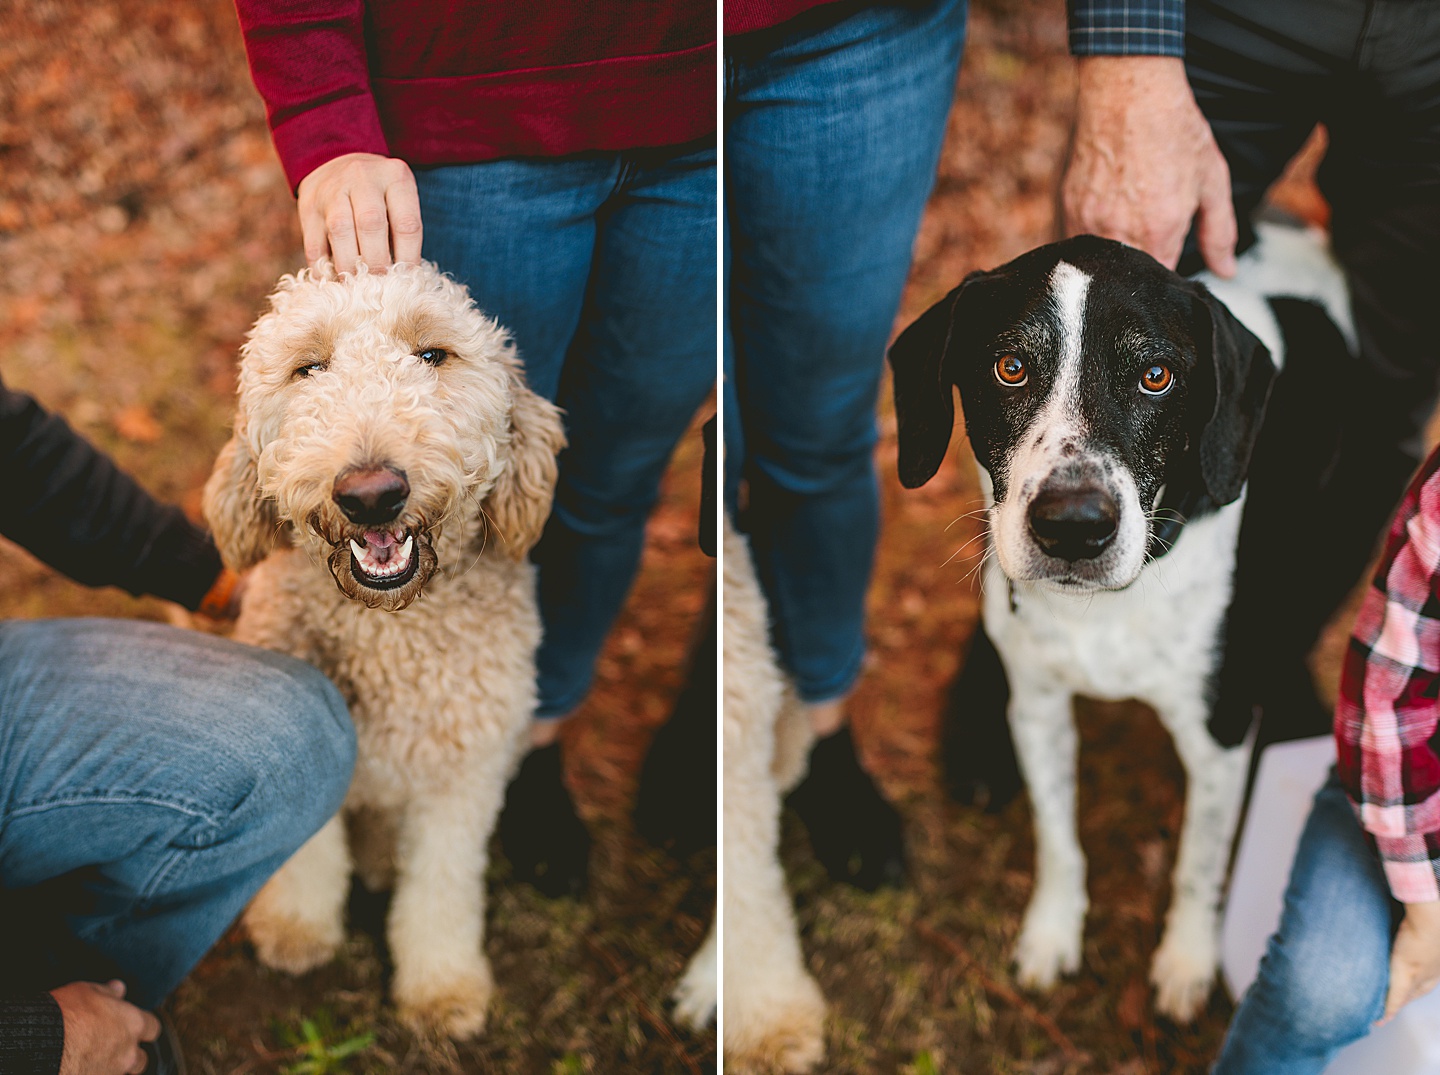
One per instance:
(432,689)
(1156,636)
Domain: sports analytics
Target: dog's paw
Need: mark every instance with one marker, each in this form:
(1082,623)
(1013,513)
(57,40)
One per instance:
(1049,943)
(293,945)
(1183,971)
(695,994)
(854,830)
(452,1004)
(694,999)
(776,1035)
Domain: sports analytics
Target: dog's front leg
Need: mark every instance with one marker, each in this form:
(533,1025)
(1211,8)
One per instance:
(1046,742)
(1183,970)
(297,921)
(442,977)
(774,1011)
(696,993)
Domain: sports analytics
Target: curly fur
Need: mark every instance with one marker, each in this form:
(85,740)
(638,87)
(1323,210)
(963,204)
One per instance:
(442,695)
(774,1011)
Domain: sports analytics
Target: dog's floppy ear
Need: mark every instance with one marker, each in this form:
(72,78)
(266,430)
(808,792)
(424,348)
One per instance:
(519,501)
(245,526)
(1243,373)
(920,360)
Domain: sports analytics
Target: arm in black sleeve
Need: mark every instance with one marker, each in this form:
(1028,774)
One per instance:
(32,1035)
(69,504)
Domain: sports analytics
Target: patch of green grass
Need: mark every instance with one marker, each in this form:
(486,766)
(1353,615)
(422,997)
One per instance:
(318,1051)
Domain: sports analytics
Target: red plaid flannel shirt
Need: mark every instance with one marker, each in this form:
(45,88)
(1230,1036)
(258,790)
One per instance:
(1387,714)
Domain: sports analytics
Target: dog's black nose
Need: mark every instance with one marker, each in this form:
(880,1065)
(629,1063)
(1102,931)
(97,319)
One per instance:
(371,497)
(1073,522)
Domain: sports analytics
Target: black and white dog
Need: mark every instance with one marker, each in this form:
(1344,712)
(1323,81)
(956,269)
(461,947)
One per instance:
(1113,407)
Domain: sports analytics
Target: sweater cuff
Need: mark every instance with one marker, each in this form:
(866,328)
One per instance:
(1112,28)
(349,124)
(32,1035)
(1411,871)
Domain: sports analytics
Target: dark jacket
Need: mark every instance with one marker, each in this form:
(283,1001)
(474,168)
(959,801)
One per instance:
(71,506)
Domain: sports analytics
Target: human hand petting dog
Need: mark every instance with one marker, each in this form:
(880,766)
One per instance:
(1414,958)
(1144,163)
(103,1030)
(360,207)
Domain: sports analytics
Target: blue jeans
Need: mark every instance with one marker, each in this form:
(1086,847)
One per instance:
(1323,980)
(603,269)
(833,125)
(151,779)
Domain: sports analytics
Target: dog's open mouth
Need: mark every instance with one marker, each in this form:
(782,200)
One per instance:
(385,569)
(384,559)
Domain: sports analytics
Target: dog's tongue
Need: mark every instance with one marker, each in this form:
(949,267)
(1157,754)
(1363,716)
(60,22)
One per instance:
(380,546)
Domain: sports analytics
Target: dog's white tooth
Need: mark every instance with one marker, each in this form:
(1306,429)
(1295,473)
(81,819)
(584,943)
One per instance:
(405,550)
(357,551)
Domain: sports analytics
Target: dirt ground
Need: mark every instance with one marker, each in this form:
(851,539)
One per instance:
(143,218)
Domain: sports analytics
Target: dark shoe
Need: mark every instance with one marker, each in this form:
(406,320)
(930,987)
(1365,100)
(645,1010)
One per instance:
(978,754)
(546,842)
(163,1054)
(855,832)
(675,803)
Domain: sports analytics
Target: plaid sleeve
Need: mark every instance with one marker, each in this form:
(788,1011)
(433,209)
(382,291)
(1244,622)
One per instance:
(1387,713)
(1127,27)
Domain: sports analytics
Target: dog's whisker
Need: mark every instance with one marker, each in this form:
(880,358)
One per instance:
(962,548)
(490,527)
(976,514)
(977,570)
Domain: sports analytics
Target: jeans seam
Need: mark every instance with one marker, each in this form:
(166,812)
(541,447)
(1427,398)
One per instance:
(110,799)
(161,874)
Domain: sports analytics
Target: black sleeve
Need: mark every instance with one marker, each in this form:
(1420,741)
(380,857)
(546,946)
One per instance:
(32,1035)
(71,506)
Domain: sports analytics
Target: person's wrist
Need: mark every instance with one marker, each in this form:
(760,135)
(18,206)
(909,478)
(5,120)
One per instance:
(1128,80)
(1425,914)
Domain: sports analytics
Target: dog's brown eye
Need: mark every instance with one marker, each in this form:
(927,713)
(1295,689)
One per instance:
(433,355)
(1011,371)
(1157,380)
(309,368)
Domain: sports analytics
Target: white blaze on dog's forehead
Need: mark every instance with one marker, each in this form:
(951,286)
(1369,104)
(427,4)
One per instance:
(1068,288)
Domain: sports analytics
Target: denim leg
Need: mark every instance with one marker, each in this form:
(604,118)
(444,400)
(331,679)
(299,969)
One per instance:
(1323,980)
(520,234)
(603,268)
(641,364)
(832,139)
(151,779)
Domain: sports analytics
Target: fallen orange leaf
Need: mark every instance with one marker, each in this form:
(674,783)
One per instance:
(137,424)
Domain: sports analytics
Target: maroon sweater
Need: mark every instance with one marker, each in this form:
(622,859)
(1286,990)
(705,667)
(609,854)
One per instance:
(461,81)
(744,16)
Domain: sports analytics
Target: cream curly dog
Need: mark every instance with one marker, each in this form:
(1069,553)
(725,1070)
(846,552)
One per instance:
(774,1012)
(386,448)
